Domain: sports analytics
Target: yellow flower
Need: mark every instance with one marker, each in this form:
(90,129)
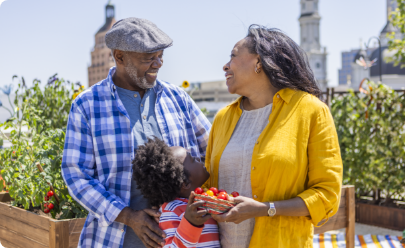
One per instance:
(75,95)
(185,84)
(82,87)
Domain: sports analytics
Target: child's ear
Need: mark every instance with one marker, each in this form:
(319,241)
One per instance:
(186,186)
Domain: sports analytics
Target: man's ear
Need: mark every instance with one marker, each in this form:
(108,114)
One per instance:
(119,57)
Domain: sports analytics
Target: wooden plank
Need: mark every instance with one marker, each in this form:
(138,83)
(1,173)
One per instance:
(24,216)
(24,229)
(76,225)
(388,217)
(8,244)
(21,241)
(59,234)
(5,197)
(351,218)
(74,240)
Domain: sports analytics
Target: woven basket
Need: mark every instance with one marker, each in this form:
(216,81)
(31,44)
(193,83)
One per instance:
(215,206)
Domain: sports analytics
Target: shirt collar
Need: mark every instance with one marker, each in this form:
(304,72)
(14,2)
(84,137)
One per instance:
(285,94)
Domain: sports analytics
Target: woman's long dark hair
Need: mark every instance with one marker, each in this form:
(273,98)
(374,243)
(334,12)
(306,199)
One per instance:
(284,62)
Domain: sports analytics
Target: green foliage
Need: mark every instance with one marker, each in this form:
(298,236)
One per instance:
(397,18)
(44,111)
(372,140)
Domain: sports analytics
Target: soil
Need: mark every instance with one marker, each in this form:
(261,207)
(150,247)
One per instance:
(391,204)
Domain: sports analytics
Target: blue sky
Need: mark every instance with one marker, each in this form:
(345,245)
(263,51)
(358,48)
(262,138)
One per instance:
(43,37)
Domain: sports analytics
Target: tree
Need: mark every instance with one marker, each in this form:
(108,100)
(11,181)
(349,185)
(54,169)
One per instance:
(396,43)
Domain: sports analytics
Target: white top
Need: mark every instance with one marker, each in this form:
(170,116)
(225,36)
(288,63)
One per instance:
(234,171)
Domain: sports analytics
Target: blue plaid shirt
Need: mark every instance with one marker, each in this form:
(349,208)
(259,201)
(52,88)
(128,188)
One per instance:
(99,148)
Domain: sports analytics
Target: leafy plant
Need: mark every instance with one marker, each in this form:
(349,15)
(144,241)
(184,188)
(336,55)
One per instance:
(397,43)
(371,130)
(44,111)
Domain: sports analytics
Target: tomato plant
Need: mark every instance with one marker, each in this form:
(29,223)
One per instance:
(44,111)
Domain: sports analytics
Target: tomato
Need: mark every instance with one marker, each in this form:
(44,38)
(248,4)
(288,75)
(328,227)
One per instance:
(50,193)
(50,206)
(222,196)
(235,194)
(221,190)
(210,193)
(204,194)
(214,190)
(46,198)
(199,191)
(45,205)
(47,210)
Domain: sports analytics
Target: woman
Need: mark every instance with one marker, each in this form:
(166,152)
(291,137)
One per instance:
(277,145)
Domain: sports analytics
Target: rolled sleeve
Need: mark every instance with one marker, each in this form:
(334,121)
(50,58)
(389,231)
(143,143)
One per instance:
(79,170)
(324,169)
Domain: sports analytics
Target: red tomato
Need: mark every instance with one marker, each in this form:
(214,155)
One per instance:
(46,210)
(204,194)
(50,193)
(214,190)
(46,198)
(222,190)
(50,206)
(235,194)
(45,205)
(222,196)
(199,191)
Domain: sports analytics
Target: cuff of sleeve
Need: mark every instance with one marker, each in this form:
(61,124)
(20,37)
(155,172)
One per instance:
(188,231)
(112,212)
(314,204)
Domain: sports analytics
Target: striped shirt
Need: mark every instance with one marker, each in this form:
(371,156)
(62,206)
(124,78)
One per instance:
(99,148)
(180,233)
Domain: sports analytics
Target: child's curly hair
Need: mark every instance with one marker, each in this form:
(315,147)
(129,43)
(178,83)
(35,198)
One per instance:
(158,174)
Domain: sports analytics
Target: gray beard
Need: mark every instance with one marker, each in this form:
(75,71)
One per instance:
(141,82)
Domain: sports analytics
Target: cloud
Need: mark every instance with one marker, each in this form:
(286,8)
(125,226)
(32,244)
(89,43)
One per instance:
(1,1)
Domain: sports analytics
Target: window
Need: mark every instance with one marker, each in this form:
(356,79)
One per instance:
(303,6)
(318,65)
(316,6)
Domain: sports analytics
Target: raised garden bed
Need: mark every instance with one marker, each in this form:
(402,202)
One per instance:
(22,228)
(388,217)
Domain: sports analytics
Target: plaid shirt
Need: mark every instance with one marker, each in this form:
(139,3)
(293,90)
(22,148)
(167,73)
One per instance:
(99,148)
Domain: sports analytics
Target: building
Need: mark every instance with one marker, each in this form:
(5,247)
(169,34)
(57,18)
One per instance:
(101,58)
(393,76)
(310,40)
(214,91)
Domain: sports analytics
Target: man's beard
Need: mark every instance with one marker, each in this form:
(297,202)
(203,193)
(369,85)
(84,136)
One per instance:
(141,82)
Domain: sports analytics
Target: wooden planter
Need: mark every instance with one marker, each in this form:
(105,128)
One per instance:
(21,228)
(392,218)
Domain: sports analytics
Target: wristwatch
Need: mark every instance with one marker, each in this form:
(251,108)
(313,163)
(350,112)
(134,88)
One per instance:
(272,210)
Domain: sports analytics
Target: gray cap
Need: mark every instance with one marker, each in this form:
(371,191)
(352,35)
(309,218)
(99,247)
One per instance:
(137,35)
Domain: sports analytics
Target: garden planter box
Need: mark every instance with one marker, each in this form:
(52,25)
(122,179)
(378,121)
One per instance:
(388,217)
(21,228)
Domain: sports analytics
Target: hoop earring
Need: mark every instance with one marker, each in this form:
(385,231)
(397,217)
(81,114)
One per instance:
(257,71)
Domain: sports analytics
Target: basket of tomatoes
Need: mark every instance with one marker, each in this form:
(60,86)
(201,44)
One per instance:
(216,201)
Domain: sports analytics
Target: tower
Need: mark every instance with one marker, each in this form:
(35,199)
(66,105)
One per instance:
(101,59)
(310,40)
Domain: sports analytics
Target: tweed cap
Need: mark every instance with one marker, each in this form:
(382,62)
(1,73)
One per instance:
(137,35)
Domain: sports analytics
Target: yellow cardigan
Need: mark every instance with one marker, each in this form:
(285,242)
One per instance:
(297,154)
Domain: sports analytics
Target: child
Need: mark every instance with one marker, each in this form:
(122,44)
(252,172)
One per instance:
(166,177)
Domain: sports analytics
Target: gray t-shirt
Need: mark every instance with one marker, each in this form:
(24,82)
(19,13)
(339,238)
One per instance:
(144,125)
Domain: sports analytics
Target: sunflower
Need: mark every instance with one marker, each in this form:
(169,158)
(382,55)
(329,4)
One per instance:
(75,95)
(185,84)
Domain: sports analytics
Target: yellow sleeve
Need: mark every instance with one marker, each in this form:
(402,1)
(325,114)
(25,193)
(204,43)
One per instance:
(324,168)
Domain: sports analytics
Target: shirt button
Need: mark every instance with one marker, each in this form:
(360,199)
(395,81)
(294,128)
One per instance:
(255,196)
(141,105)
(257,142)
(135,95)
(253,168)
(122,230)
(144,117)
(278,96)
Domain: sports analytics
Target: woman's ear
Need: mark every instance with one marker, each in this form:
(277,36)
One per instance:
(259,65)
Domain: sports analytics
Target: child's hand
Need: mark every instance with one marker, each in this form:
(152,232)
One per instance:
(193,215)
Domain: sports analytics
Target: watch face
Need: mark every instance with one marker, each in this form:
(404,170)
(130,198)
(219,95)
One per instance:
(272,211)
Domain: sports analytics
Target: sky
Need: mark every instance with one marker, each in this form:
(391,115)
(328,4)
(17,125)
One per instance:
(43,37)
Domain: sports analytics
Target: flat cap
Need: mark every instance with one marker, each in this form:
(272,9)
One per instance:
(137,35)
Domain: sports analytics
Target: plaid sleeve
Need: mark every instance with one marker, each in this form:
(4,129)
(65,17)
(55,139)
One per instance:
(201,125)
(79,171)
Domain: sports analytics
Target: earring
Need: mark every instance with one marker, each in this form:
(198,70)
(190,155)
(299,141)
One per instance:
(257,71)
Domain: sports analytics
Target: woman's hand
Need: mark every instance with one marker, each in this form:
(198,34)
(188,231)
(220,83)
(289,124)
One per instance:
(246,208)
(193,215)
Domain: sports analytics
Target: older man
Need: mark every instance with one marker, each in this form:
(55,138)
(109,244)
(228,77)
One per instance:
(106,125)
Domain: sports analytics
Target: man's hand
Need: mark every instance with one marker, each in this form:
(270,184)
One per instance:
(246,208)
(144,225)
(193,215)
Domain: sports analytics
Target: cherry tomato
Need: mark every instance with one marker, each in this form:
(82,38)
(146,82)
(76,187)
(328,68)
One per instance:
(221,190)
(46,198)
(47,210)
(199,191)
(204,194)
(235,194)
(45,205)
(222,196)
(214,190)
(50,206)
(210,193)
(50,193)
